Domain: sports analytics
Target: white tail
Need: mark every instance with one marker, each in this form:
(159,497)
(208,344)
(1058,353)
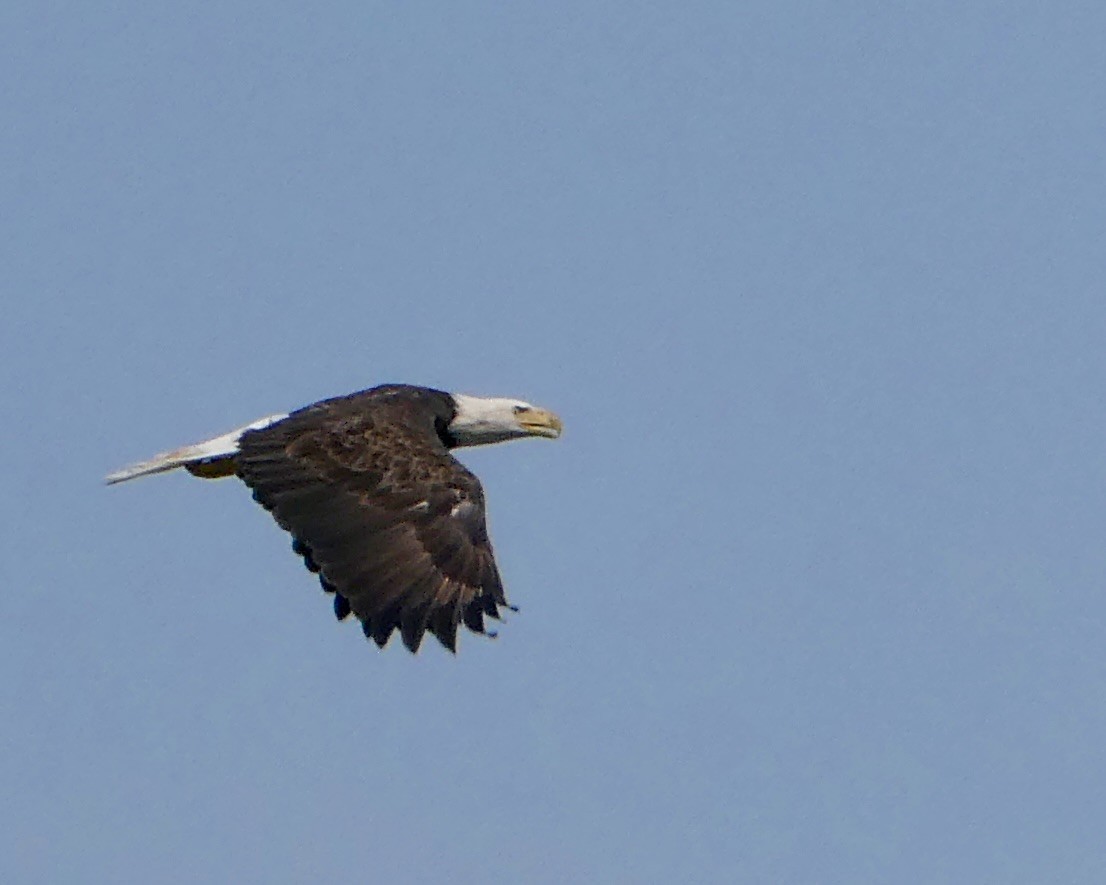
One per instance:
(220,448)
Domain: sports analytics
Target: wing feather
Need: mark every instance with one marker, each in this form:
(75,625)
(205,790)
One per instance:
(394,525)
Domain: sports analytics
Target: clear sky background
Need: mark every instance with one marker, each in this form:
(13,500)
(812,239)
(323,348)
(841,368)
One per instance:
(812,588)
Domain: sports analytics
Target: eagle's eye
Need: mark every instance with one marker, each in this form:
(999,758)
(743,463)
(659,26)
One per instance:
(520,409)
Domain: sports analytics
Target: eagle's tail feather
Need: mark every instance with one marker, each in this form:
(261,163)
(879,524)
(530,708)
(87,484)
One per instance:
(210,459)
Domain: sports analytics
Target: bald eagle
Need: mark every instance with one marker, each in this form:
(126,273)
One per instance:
(391,522)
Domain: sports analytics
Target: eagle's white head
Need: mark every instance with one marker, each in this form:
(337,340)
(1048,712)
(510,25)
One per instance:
(482,420)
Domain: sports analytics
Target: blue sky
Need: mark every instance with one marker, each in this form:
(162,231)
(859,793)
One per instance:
(812,587)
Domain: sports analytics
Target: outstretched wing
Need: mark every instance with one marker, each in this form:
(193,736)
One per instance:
(393,524)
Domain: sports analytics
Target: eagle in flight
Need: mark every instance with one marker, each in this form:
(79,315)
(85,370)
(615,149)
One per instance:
(391,522)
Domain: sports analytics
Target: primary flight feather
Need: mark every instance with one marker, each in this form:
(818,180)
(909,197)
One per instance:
(392,523)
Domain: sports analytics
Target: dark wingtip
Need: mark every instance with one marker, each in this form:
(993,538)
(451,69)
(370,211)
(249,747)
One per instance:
(341,607)
(301,549)
(412,626)
(449,643)
(444,628)
(474,618)
(382,632)
(412,640)
(378,633)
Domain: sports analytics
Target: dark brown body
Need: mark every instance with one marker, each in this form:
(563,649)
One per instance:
(376,504)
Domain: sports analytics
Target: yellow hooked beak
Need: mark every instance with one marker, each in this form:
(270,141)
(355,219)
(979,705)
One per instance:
(540,422)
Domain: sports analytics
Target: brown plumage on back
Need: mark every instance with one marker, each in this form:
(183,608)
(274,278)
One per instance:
(392,523)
